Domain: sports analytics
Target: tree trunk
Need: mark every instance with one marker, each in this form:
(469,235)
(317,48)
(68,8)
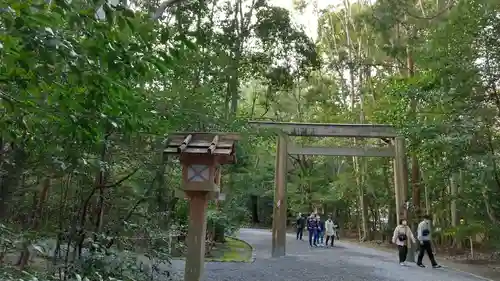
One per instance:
(10,180)
(453,207)
(415,165)
(453,201)
(255,209)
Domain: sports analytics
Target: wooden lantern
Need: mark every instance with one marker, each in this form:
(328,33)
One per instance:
(213,195)
(217,176)
(201,155)
(199,173)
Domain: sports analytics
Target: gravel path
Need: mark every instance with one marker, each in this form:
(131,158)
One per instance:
(344,262)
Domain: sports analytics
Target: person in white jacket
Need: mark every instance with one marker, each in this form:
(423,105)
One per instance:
(330,231)
(402,237)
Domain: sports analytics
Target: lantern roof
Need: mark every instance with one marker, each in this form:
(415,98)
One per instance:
(220,145)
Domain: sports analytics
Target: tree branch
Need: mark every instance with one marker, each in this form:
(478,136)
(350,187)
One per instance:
(122,179)
(448,7)
(293,157)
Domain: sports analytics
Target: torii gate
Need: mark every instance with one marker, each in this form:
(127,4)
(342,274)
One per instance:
(395,149)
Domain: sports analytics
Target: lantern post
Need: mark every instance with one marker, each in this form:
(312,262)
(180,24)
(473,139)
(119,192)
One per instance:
(201,155)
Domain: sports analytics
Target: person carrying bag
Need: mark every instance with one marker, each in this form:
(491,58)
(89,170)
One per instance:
(402,237)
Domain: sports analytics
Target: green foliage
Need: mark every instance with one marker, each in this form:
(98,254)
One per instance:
(88,92)
(426,69)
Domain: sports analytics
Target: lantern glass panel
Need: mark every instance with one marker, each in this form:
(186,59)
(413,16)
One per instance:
(198,173)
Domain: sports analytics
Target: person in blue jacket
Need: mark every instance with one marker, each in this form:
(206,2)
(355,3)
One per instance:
(312,228)
(320,233)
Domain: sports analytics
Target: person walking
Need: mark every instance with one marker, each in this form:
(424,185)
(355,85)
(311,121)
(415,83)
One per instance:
(402,237)
(424,237)
(321,231)
(301,223)
(312,227)
(329,231)
(336,228)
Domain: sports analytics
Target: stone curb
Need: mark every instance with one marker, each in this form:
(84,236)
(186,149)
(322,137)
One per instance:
(252,258)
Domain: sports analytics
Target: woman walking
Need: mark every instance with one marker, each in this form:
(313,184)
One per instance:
(402,237)
(330,231)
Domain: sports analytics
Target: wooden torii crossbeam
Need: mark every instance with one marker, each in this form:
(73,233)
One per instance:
(201,155)
(329,129)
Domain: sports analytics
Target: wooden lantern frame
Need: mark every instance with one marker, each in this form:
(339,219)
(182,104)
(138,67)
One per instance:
(201,156)
(207,149)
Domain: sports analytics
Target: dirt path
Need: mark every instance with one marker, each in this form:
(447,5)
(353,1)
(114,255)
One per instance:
(489,271)
(345,262)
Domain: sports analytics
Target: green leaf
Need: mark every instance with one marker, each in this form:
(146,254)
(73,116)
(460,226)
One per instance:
(160,65)
(63,4)
(131,24)
(187,42)
(164,35)
(128,13)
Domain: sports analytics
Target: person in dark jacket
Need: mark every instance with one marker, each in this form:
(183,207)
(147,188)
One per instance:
(320,232)
(301,224)
(336,227)
(312,227)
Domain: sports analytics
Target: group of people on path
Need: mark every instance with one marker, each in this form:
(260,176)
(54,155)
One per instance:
(403,236)
(319,231)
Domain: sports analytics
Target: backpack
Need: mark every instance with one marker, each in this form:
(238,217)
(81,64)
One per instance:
(402,237)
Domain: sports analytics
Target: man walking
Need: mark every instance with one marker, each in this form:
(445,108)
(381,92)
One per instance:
(312,228)
(424,237)
(301,223)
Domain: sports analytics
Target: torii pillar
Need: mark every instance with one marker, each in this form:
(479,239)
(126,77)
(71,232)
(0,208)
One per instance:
(280,204)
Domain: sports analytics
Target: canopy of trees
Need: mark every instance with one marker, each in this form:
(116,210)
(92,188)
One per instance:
(89,90)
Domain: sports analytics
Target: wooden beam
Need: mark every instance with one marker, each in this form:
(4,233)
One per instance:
(329,130)
(343,151)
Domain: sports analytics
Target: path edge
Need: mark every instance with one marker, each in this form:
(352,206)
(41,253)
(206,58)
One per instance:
(251,260)
(252,249)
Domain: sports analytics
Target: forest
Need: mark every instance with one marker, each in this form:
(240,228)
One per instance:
(91,89)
